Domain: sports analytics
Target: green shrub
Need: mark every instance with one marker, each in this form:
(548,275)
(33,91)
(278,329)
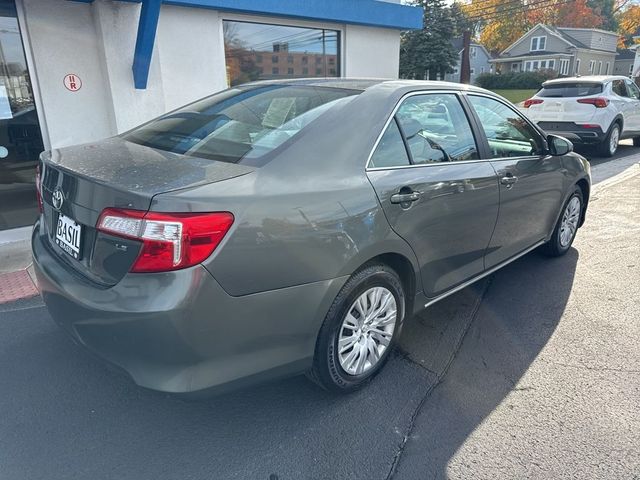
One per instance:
(515,80)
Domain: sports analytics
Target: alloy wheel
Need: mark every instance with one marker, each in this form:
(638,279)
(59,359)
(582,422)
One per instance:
(570,219)
(614,140)
(367,330)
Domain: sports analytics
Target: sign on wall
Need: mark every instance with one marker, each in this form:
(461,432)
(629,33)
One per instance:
(72,82)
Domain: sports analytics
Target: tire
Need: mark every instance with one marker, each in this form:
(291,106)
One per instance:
(636,141)
(333,367)
(559,244)
(609,145)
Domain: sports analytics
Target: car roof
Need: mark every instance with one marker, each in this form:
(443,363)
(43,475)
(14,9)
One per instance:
(366,83)
(586,79)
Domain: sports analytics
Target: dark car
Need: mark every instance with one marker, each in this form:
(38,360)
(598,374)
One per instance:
(285,227)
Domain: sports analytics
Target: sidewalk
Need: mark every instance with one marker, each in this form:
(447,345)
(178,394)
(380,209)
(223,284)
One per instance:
(16,275)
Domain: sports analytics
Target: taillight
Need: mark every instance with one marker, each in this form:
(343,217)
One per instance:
(170,241)
(598,102)
(39,189)
(532,101)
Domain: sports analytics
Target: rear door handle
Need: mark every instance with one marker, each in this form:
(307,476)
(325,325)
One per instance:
(405,197)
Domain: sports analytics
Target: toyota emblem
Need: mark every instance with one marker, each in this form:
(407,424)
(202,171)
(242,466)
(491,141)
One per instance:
(57,198)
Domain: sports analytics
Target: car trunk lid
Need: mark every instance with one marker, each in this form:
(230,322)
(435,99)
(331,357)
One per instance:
(118,174)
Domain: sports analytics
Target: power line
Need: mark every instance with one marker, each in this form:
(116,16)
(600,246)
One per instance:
(539,4)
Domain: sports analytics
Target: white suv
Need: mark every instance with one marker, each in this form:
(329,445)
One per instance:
(595,110)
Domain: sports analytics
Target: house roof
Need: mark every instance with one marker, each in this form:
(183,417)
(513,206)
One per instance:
(563,33)
(625,54)
(458,46)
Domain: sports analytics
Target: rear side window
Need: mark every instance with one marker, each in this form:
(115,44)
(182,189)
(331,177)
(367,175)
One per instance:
(240,125)
(436,129)
(578,89)
(618,87)
(390,151)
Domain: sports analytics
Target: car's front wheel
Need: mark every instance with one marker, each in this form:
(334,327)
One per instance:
(567,226)
(609,146)
(360,329)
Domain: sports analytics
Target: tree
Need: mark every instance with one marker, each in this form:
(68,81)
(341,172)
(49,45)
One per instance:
(629,25)
(428,53)
(606,10)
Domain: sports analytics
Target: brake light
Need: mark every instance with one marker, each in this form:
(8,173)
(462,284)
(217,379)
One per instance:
(39,189)
(170,241)
(598,102)
(532,101)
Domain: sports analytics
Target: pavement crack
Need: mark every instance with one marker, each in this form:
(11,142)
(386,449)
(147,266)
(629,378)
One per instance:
(439,378)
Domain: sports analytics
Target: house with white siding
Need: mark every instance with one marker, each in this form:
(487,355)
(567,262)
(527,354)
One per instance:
(569,51)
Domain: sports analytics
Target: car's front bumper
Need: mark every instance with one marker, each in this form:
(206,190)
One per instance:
(574,132)
(180,331)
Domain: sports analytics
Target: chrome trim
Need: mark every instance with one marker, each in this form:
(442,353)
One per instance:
(483,274)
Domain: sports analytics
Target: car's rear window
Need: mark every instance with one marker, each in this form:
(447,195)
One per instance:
(578,89)
(240,125)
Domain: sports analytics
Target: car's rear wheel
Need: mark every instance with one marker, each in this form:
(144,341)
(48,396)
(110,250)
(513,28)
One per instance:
(609,146)
(565,230)
(359,330)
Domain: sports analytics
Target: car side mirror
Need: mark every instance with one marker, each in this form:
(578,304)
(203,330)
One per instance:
(559,146)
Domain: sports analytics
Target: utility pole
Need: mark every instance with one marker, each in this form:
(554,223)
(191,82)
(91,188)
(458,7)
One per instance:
(465,66)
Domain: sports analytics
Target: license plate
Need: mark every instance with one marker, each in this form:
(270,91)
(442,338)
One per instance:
(69,236)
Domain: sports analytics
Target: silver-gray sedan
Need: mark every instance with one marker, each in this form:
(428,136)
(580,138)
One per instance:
(285,227)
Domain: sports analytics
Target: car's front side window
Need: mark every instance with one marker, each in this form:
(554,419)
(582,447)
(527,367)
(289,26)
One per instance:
(508,133)
(634,92)
(436,129)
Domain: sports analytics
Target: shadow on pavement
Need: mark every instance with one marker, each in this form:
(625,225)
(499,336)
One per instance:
(519,313)
(65,416)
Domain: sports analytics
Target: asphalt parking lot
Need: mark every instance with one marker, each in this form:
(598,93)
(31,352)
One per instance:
(531,373)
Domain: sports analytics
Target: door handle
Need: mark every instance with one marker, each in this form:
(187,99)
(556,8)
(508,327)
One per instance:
(508,180)
(405,197)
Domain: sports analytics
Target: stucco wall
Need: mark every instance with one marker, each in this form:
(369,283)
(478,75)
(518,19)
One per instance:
(97,41)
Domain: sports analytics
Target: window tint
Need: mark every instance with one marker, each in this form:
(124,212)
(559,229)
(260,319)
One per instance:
(508,133)
(436,129)
(618,88)
(390,151)
(239,125)
(560,90)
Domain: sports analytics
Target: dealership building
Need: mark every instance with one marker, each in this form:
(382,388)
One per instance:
(77,71)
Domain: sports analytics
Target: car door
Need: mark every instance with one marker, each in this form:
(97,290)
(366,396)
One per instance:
(634,109)
(623,103)
(531,182)
(435,191)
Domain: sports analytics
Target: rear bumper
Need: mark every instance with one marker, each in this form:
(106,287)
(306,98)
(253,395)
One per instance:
(574,132)
(180,331)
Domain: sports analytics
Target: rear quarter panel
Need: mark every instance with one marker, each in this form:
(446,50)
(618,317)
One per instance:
(308,215)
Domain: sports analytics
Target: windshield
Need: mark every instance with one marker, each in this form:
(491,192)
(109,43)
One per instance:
(578,89)
(240,125)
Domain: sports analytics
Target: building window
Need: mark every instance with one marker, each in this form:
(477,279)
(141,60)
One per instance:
(481,69)
(577,66)
(515,67)
(631,69)
(564,67)
(472,71)
(318,71)
(592,66)
(538,43)
(600,68)
(472,52)
(246,43)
